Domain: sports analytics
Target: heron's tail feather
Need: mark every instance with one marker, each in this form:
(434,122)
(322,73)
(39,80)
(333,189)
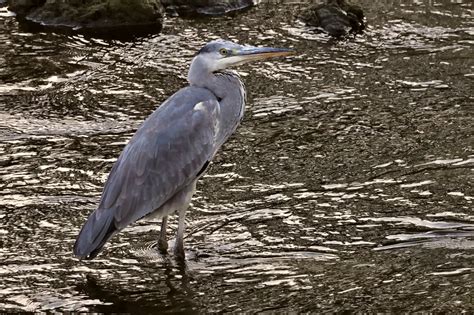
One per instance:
(97,230)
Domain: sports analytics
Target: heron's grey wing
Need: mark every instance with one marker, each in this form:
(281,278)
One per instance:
(165,155)
(159,163)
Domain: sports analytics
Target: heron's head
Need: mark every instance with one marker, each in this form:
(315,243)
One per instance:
(220,54)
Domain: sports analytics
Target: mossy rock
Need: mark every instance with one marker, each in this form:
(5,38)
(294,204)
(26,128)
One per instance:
(91,14)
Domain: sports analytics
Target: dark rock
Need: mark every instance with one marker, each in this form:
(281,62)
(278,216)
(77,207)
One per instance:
(205,7)
(337,17)
(22,7)
(91,14)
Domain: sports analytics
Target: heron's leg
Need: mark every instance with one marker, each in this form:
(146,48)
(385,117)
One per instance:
(179,245)
(162,242)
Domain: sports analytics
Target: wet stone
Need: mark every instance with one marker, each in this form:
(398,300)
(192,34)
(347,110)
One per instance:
(92,15)
(205,7)
(336,17)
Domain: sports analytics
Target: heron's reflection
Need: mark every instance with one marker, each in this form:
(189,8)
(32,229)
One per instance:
(172,291)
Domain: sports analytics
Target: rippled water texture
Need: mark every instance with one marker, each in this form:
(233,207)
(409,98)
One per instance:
(349,185)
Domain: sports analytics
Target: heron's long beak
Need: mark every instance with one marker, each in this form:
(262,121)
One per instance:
(258,53)
(250,53)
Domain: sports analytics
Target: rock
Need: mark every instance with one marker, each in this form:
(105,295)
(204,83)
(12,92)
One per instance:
(337,17)
(22,7)
(206,7)
(91,14)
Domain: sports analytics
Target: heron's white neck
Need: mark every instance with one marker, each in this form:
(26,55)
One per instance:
(228,89)
(224,83)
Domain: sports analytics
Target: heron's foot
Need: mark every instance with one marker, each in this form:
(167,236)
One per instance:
(163,246)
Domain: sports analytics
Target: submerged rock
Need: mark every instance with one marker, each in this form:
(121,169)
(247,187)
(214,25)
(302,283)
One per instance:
(206,7)
(337,17)
(91,14)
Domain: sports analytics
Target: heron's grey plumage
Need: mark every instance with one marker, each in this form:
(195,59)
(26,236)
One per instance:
(157,171)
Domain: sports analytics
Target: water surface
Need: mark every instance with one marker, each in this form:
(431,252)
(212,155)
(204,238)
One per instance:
(348,186)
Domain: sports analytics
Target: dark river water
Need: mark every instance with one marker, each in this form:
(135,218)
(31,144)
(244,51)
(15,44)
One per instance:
(348,186)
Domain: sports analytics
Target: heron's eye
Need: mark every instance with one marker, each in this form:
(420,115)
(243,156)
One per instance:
(223,51)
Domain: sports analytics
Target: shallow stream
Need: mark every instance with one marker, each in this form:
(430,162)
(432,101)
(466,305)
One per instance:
(348,186)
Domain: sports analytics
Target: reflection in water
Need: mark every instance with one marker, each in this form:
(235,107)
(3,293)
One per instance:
(347,187)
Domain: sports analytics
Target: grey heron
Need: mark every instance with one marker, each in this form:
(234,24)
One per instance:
(156,173)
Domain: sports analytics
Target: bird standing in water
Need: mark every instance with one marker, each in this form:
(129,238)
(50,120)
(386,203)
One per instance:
(156,173)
